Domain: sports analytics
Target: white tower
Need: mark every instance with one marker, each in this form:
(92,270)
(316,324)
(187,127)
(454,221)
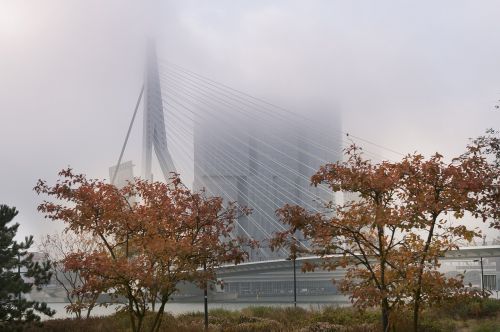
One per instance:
(154,121)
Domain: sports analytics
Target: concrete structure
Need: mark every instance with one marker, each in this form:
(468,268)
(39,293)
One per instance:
(474,261)
(273,278)
(272,281)
(154,134)
(125,173)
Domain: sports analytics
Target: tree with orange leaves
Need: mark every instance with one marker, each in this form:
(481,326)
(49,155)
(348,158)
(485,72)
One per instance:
(390,239)
(146,245)
(432,189)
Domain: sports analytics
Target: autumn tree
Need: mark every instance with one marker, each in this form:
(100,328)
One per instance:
(57,248)
(19,275)
(487,147)
(431,190)
(390,238)
(146,245)
(362,233)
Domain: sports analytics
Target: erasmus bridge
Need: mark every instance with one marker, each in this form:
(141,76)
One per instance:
(258,154)
(233,145)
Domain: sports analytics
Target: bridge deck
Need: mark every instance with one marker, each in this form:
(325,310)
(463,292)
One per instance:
(284,264)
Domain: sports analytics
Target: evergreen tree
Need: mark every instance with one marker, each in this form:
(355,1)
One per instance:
(18,276)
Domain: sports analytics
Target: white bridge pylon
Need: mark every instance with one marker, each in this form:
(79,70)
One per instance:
(154,133)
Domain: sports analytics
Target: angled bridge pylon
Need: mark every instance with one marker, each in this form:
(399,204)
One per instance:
(154,132)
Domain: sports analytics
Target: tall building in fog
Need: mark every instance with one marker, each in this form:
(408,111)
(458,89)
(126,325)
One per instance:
(263,162)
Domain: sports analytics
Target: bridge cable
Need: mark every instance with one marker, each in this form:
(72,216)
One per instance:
(270,159)
(281,118)
(128,134)
(260,110)
(214,83)
(242,111)
(274,148)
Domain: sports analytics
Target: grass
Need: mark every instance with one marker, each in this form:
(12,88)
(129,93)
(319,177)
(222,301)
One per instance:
(472,316)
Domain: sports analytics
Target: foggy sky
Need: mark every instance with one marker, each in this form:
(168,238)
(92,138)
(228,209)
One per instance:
(411,76)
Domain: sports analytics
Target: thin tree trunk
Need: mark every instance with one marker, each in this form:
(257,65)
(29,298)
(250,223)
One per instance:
(91,307)
(383,286)
(132,322)
(158,318)
(139,323)
(385,315)
(131,314)
(418,291)
(416,308)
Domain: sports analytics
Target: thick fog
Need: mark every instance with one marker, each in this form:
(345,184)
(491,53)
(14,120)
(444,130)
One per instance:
(407,76)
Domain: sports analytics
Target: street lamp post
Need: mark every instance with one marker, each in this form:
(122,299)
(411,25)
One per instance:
(293,258)
(482,273)
(294,283)
(205,297)
(482,276)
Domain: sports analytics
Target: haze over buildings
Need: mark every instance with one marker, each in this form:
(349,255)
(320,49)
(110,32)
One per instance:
(264,162)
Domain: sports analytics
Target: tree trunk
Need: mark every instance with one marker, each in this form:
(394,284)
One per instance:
(158,317)
(131,314)
(385,315)
(383,286)
(90,308)
(139,323)
(416,308)
(418,291)
(132,322)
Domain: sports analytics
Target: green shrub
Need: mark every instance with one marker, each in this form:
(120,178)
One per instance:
(490,307)
(472,308)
